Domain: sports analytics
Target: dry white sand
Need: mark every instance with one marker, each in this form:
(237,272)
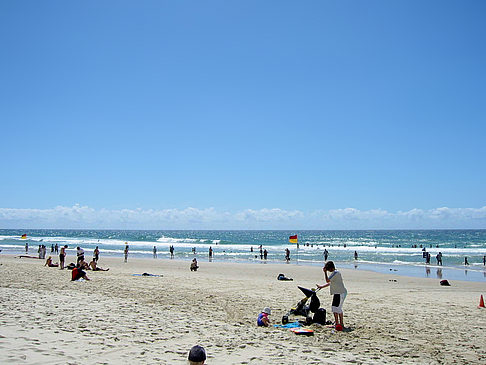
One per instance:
(120,318)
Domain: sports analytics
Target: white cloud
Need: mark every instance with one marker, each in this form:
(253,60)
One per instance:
(79,216)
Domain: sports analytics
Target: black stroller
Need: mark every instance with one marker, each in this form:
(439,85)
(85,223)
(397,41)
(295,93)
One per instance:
(311,312)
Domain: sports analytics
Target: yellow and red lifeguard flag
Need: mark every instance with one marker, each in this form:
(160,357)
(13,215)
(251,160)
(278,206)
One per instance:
(293,239)
(24,236)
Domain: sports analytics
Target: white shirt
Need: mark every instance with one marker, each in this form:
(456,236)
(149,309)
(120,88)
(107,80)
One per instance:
(336,283)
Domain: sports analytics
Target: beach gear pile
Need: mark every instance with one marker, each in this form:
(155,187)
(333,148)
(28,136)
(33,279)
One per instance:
(311,312)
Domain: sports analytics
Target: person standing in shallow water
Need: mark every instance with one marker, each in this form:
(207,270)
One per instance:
(126,251)
(287,255)
(155,252)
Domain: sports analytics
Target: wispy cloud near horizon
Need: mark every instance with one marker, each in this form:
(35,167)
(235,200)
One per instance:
(84,217)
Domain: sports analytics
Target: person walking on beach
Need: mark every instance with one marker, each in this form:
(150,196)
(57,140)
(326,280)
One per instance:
(326,254)
(26,247)
(355,255)
(56,249)
(126,252)
(210,252)
(337,290)
(465,261)
(261,252)
(484,260)
(155,252)
(287,255)
(171,250)
(62,255)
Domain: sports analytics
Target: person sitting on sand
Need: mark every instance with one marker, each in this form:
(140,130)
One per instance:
(94,266)
(83,265)
(263,319)
(49,262)
(197,355)
(78,273)
(194,265)
(338,291)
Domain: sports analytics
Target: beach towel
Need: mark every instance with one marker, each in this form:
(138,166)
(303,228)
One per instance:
(295,324)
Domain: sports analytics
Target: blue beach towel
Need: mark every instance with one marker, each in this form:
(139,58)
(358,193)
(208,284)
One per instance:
(288,325)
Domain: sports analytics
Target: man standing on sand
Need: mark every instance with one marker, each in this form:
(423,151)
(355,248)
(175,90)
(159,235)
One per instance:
(155,252)
(126,251)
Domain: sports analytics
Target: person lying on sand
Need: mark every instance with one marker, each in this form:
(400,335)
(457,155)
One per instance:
(283,277)
(93,266)
(49,262)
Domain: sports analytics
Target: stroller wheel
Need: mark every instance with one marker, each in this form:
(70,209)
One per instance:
(285,320)
(308,320)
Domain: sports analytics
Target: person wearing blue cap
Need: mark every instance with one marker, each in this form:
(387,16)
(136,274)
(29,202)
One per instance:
(197,355)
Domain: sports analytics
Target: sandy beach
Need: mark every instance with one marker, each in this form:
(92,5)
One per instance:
(118,317)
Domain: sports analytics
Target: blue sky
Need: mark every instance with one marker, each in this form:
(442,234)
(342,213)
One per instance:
(242,106)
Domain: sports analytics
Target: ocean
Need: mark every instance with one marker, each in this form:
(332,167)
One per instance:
(389,251)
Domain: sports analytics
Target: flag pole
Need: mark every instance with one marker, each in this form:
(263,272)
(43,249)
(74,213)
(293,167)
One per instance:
(297,250)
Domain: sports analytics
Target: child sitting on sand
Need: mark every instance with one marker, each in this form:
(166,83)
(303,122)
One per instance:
(263,319)
(194,265)
(338,291)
